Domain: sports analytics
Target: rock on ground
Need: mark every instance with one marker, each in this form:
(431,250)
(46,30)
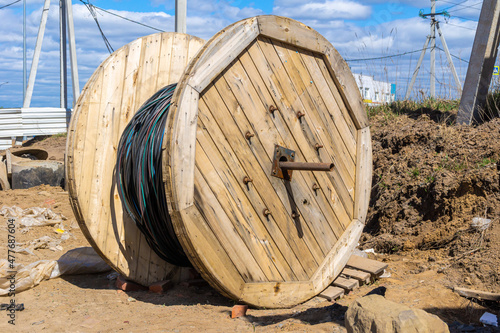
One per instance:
(375,314)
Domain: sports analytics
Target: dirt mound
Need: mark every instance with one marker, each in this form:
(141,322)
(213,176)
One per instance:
(430,180)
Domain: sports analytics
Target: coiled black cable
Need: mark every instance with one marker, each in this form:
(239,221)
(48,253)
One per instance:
(139,177)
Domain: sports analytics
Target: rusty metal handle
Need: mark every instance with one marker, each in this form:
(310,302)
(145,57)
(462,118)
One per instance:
(306,166)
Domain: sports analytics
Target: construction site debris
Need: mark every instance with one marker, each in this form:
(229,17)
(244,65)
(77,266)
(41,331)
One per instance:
(82,260)
(32,217)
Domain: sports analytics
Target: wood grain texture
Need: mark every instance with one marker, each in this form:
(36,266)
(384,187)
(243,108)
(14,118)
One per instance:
(364,170)
(373,267)
(297,250)
(224,92)
(110,98)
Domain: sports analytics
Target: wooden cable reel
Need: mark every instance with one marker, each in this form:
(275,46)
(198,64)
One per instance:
(264,90)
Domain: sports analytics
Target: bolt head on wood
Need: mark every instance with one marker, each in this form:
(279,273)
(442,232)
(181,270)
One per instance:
(318,146)
(272,108)
(247,180)
(295,215)
(300,114)
(266,212)
(249,135)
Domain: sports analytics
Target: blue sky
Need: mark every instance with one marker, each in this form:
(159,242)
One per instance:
(358,29)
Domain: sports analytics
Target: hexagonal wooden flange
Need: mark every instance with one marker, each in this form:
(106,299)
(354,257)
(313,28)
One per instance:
(303,243)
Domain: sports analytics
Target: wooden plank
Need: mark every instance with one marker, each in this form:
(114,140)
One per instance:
(164,76)
(337,111)
(223,229)
(244,227)
(336,260)
(258,148)
(332,293)
(182,162)
(373,267)
(180,45)
(278,129)
(334,89)
(4,181)
(212,257)
(346,284)
(291,246)
(8,159)
(224,119)
(88,154)
(281,80)
(362,277)
(224,50)
(333,149)
(364,171)
(481,295)
(342,142)
(195,44)
(106,164)
(254,105)
(346,85)
(289,266)
(292,32)
(276,294)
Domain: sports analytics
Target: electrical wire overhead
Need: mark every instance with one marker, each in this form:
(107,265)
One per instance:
(460,26)
(464,18)
(471,6)
(10,4)
(389,56)
(90,7)
(122,17)
(455,4)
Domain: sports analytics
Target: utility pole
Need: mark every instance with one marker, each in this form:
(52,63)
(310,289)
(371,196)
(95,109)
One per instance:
(36,54)
(65,22)
(72,51)
(62,55)
(180,15)
(432,40)
(24,50)
(482,62)
(433,48)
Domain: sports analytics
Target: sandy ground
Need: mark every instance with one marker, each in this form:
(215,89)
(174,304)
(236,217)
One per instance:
(91,303)
(420,277)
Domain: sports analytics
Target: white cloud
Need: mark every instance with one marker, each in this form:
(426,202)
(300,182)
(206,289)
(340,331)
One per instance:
(326,10)
(381,33)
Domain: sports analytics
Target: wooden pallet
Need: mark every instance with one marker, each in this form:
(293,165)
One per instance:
(358,271)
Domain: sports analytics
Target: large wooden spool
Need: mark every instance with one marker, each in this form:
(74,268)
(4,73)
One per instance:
(269,242)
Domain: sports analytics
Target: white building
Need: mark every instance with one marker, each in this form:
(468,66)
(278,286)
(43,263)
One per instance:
(375,92)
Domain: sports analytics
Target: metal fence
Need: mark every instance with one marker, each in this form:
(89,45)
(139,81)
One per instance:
(24,122)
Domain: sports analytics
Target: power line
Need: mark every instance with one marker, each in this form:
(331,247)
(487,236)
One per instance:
(10,4)
(389,56)
(106,41)
(460,26)
(471,6)
(122,17)
(454,56)
(455,4)
(404,53)
(463,18)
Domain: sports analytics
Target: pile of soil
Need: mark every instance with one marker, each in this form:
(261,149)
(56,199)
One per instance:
(430,179)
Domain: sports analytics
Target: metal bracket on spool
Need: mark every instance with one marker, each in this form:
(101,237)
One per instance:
(284,164)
